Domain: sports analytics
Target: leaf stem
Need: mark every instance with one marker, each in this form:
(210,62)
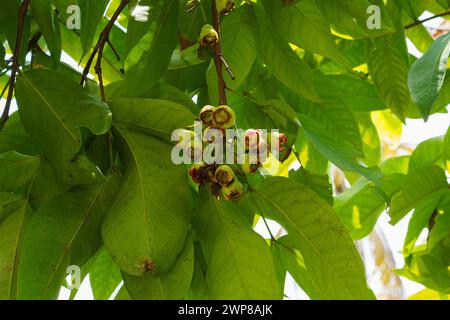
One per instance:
(16,64)
(98,50)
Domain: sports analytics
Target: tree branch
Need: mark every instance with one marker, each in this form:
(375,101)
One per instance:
(98,50)
(15,65)
(419,22)
(218,56)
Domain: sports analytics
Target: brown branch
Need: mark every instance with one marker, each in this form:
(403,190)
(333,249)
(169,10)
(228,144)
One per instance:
(419,22)
(98,50)
(16,64)
(218,56)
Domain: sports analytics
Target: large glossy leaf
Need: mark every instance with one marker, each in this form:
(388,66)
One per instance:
(150,45)
(424,184)
(146,227)
(330,256)
(64,236)
(48,99)
(281,60)
(172,285)
(427,75)
(239,262)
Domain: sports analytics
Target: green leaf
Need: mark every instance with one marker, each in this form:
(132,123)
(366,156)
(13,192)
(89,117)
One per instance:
(329,253)
(49,26)
(281,60)
(104,275)
(238,45)
(358,94)
(420,220)
(384,55)
(11,234)
(427,75)
(91,14)
(440,231)
(146,227)
(292,260)
(69,236)
(48,99)
(150,45)
(350,18)
(421,185)
(427,153)
(429,268)
(332,113)
(239,262)
(320,184)
(17,171)
(446,151)
(158,118)
(304,25)
(340,153)
(172,285)
(360,206)
(14,137)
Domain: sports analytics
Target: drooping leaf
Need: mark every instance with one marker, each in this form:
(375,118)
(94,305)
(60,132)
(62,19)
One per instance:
(145,229)
(330,256)
(239,261)
(238,45)
(48,99)
(69,236)
(281,60)
(384,55)
(424,184)
(91,14)
(150,45)
(427,75)
(305,25)
(46,19)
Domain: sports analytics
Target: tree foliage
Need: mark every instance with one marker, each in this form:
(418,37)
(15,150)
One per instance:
(86,176)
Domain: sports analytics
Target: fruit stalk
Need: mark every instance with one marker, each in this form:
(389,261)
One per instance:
(218,56)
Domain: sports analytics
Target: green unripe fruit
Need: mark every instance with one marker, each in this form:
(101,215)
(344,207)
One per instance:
(224,7)
(208,36)
(206,115)
(249,168)
(233,191)
(223,117)
(224,175)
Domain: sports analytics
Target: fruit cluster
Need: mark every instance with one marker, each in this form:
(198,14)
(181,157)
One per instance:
(222,178)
